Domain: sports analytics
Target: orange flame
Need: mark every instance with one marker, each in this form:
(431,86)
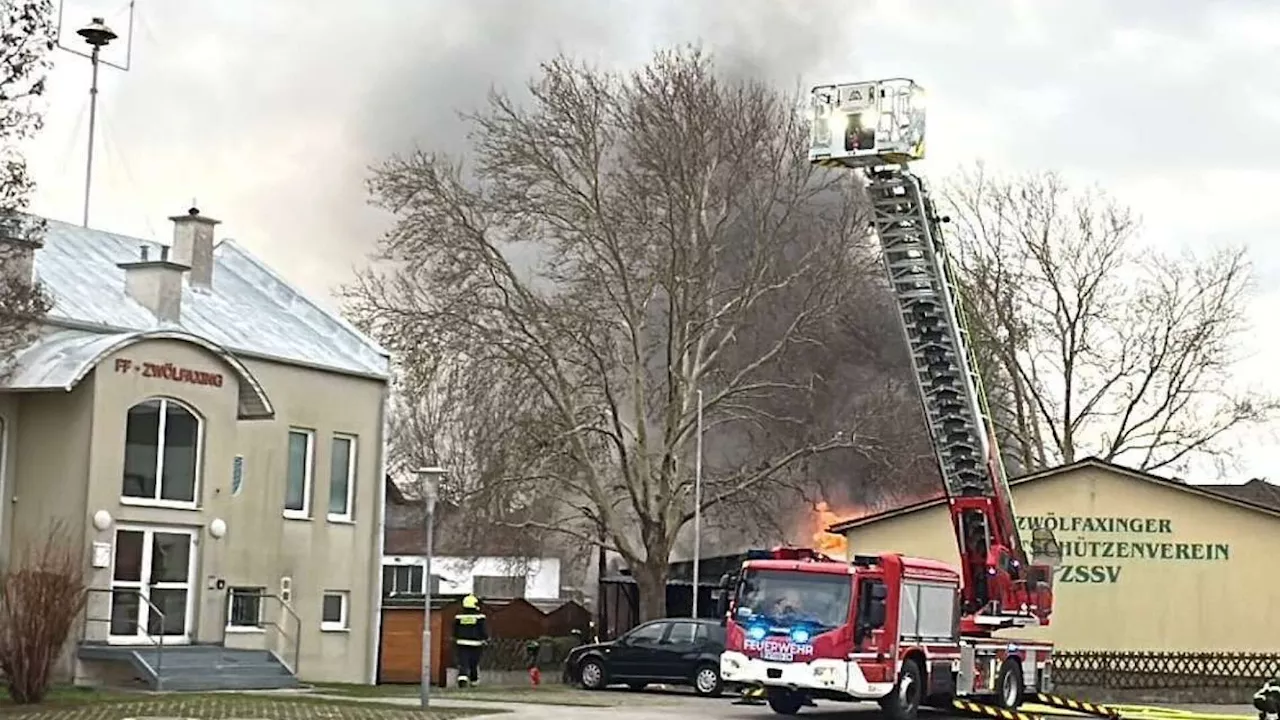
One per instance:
(837,546)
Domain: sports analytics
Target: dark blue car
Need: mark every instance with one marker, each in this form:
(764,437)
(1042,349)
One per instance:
(671,651)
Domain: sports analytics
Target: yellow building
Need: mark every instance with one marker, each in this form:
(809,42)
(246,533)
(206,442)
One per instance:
(1148,563)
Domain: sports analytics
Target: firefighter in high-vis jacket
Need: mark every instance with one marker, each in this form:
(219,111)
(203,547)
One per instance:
(469,637)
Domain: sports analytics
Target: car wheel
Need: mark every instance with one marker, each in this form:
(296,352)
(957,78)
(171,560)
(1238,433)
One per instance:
(706,681)
(1009,685)
(592,675)
(903,702)
(785,702)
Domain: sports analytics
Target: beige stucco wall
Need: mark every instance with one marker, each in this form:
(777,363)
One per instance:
(79,438)
(1197,576)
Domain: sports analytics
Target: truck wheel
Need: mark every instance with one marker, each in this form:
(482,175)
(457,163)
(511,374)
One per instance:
(904,701)
(1009,685)
(785,702)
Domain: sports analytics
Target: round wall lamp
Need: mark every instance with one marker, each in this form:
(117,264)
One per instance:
(218,528)
(102,520)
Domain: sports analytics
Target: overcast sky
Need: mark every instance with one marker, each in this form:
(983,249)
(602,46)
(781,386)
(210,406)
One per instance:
(269,112)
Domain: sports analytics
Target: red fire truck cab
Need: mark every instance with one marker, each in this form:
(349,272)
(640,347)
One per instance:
(882,627)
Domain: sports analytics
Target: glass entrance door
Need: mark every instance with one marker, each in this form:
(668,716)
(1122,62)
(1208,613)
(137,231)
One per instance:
(153,568)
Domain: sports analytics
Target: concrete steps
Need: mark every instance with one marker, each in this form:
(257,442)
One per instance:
(196,667)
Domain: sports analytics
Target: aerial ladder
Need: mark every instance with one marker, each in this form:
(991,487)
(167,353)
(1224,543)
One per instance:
(878,128)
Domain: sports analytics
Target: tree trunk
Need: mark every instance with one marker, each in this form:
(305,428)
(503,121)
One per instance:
(651,580)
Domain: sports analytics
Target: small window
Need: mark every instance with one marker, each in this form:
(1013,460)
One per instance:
(403,580)
(937,611)
(683,633)
(908,613)
(650,634)
(342,477)
(333,615)
(161,453)
(498,586)
(297,496)
(244,608)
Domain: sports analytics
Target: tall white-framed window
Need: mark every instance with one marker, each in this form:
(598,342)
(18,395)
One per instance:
(342,478)
(335,610)
(162,454)
(300,475)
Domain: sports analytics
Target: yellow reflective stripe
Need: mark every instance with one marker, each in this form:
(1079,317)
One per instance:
(469,642)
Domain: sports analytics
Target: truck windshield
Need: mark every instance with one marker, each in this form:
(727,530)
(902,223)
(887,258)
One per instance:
(779,597)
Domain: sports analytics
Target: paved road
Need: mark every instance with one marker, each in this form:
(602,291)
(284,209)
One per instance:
(673,707)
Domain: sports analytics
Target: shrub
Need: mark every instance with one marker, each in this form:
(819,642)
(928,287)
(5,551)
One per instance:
(42,592)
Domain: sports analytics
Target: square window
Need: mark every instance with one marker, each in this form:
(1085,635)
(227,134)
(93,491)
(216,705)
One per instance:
(244,608)
(298,480)
(342,477)
(333,613)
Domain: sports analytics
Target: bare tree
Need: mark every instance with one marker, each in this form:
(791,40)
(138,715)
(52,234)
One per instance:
(664,210)
(470,425)
(42,592)
(1096,344)
(26,29)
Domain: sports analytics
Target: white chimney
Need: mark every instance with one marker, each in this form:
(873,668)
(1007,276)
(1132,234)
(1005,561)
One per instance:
(193,245)
(156,284)
(19,240)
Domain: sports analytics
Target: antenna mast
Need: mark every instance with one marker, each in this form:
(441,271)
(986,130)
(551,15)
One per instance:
(96,35)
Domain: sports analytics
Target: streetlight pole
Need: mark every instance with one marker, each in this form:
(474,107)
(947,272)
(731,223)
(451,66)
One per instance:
(697,513)
(430,479)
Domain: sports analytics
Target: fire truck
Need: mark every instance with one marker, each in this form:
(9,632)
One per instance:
(904,631)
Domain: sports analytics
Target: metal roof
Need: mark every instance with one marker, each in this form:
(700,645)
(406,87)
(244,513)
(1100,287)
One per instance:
(250,310)
(1210,492)
(61,358)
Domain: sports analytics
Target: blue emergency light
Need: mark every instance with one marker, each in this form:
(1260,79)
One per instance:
(799,636)
(756,632)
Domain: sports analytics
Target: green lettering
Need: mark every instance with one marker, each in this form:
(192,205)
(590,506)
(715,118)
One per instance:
(1113,573)
(1183,552)
(1082,574)
(1153,550)
(1220,551)
(1108,549)
(1198,551)
(1122,549)
(1166,527)
(1166,551)
(1022,523)
(1151,525)
(1065,573)
(1122,525)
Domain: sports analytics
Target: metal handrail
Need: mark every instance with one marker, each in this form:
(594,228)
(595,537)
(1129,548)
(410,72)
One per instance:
(139,628)
(295,637)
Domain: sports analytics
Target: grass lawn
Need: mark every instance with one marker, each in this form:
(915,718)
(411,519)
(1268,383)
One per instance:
(547,694)
(87,704)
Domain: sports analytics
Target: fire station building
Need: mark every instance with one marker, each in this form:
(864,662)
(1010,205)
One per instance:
(1148,563)
(215,441)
